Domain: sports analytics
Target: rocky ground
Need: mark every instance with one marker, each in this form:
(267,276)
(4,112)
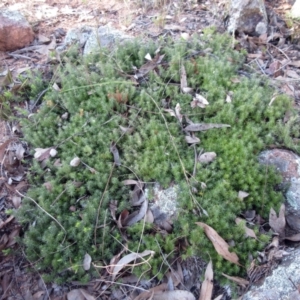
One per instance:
(275,54)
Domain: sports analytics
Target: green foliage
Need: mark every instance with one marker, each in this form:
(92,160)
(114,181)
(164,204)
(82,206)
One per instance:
(98,100)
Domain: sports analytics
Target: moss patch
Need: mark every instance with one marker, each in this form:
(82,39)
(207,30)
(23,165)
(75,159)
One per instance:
(84,118)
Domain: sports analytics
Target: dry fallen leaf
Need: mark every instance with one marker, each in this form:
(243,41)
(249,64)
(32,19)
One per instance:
(115,260)
(277,224)
(87,262)
(137,195)
(38,295)
(149,216)
(249,232)
(242,195)
(126,129)
(16,200)
(124,261)
(207,284)
(149,66)
(12,237)
(133,182)
(137,215)
(79,294)
(177,112)
(204,126)
(199,101)
(56,87)
(228,99)
(295,63)
(183,81)
(275,68)
(183,78)
(173,295)
(207,157)
(122,217)
(293,238)
(42,154)
(220,245)
(3,148)
(10,218)
(48,186)
(240,281)
(174,27)
(288,89)
(292,74)
(171,112)
(20,151)
(185,36)
(146,294)
(192,139)
(148,56)
(114,150)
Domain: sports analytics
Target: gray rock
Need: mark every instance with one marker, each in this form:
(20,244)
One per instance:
(295,11)
(76,36)
(288,164)
(280,285)
(105,36)
(248,16)
(15,31)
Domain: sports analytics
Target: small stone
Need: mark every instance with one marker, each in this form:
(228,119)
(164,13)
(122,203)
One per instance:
(15,31)
(75,162)
(249,17)
(53,152)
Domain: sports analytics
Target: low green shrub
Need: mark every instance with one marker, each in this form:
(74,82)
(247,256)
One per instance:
(83,118)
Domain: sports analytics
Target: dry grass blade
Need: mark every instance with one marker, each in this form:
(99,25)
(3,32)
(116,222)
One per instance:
(207,285)
(220,245)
